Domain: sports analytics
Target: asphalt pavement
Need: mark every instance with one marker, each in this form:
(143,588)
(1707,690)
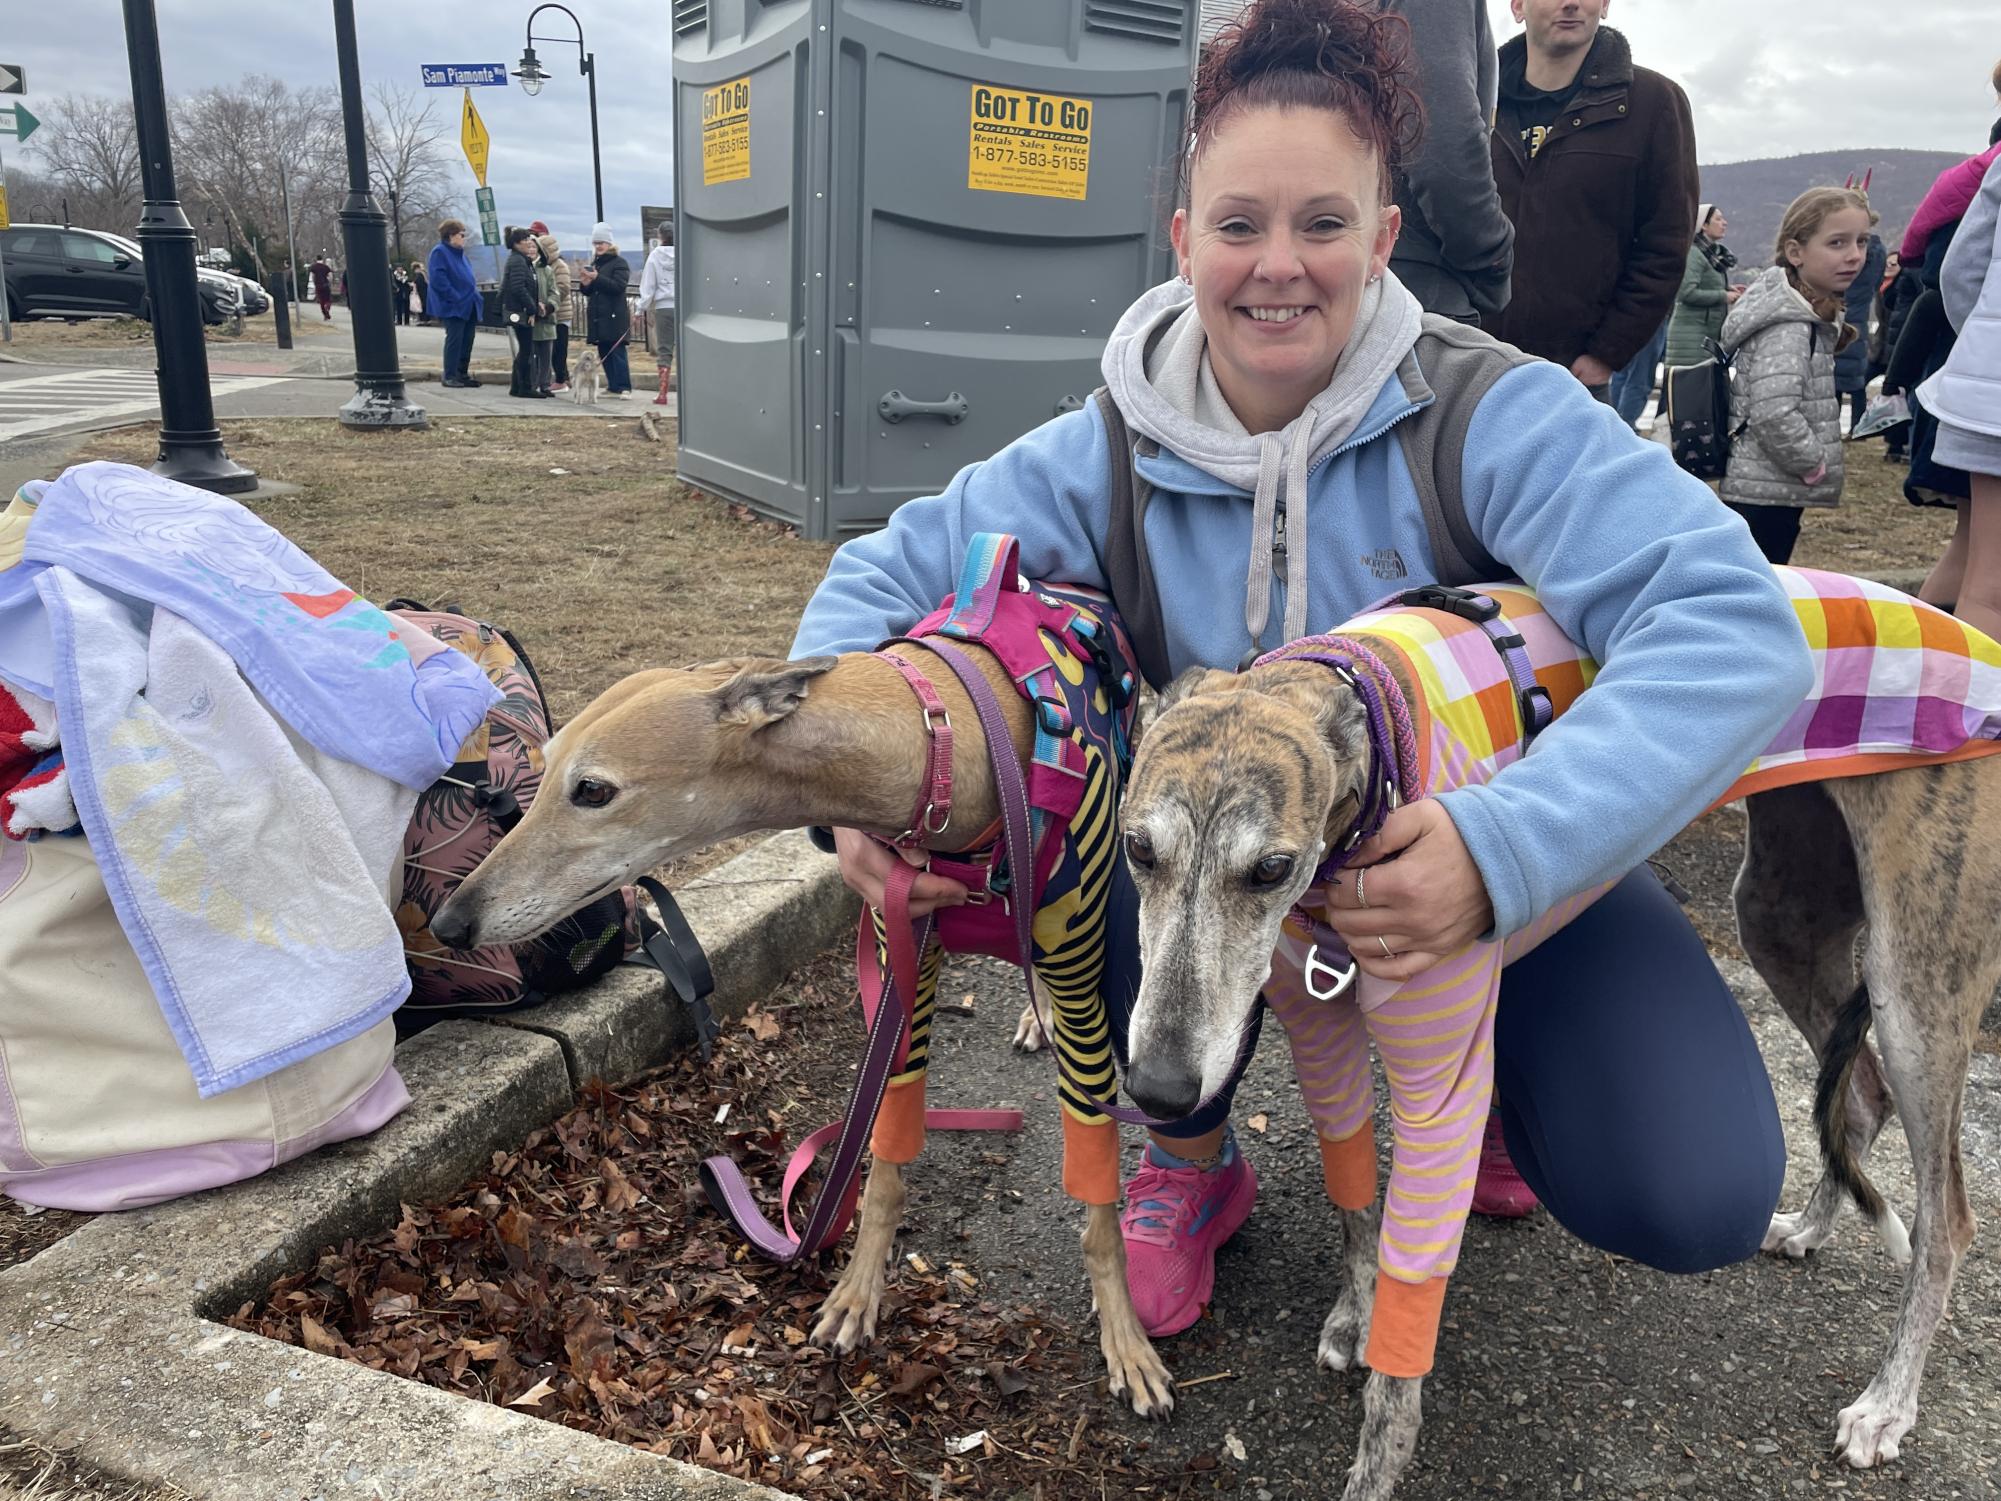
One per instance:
(1562,1371)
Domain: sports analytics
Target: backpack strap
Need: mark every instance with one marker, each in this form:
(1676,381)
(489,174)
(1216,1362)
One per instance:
(1128,569)
(1455,366)
(1451,367)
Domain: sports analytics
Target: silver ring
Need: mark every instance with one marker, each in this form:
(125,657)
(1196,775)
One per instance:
(1384,943)
(1360,875)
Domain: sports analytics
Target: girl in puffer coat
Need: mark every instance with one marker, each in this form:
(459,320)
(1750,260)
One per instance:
(1785,332)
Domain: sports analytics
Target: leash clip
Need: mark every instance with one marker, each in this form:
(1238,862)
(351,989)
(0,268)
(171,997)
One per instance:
(1315,965)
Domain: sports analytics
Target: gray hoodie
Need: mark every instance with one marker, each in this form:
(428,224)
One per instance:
(1157,369)
(1783,405)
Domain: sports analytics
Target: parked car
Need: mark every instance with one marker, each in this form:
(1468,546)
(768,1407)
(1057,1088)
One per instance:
(218,288)
(59,271)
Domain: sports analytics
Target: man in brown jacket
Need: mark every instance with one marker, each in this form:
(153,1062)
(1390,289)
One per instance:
(1595,160)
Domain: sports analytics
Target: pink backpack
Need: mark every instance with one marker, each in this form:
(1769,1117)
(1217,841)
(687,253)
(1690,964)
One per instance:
(462,815)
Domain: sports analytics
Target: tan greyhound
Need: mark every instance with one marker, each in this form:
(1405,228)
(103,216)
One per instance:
(1270,760)
(668,762)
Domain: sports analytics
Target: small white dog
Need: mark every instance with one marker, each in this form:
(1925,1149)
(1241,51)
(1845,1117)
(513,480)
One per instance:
(587,377)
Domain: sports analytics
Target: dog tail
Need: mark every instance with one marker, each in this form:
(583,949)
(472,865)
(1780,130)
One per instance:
(1845,1043)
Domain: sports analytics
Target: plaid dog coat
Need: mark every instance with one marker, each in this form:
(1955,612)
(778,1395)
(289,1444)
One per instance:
(1897,684)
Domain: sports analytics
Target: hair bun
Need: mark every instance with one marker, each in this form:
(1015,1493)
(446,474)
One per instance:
(1315,54)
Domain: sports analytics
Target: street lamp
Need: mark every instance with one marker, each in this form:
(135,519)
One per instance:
(533,77)
(379,399)
(190,443)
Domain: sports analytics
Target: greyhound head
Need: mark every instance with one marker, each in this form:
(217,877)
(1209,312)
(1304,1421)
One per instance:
(1241,785)
(659,766)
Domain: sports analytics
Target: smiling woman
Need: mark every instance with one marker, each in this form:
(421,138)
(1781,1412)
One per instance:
(1284,415)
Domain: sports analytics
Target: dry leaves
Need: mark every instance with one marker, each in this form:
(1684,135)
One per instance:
(586,1280)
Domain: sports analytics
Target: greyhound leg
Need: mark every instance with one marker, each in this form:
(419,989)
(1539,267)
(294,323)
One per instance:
(1344,1337)
(1932,962)
(1927,1068)
(1137,1371)
(1799,906)
(1392,1412)
(847,1318)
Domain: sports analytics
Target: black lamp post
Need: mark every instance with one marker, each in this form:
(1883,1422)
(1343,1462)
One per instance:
(190,443)
(379,399)
(532,78)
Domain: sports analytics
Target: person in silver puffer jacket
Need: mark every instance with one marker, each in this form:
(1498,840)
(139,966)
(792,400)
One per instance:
(1785,332)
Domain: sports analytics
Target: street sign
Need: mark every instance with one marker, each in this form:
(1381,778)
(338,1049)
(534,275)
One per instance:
(17,122)
(473,137)
(489,223)
(461,75)
(13,79)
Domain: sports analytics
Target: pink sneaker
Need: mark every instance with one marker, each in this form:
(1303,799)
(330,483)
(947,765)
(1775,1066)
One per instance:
(1499,1192)
(1175,1219)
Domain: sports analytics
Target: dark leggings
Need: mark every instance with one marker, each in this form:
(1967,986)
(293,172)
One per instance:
(1776,530)
(1633,1096)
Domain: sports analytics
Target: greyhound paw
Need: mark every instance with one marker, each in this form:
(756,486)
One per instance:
(1345,1336)
(847,1318)
(1896,1239)
(1794,1235)
(1868,1433)
(1138,1374)
(1028,1035)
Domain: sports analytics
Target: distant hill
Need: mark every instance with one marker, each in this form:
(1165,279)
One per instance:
(1754,194)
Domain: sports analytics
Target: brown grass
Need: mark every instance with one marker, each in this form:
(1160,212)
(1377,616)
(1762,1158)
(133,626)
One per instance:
(1874,529)
(33,1472)
(51,335)
(605,569)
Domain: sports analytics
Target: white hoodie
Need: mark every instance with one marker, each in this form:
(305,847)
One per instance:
(1169,394)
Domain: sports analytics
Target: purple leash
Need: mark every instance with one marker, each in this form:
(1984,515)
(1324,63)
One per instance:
(1013,791)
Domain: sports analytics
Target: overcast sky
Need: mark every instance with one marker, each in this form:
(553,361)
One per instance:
(1767,77)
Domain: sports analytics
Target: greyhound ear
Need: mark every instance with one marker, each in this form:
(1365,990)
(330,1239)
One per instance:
(765,691)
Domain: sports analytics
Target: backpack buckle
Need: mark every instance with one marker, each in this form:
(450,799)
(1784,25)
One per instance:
(1464,603)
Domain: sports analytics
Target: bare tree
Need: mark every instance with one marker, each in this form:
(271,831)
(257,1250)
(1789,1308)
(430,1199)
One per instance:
(406,159)
(89,148)
(229,144)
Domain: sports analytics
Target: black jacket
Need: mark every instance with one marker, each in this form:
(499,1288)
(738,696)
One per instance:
(519,302)
(1604,213)
(1457,246)
(610,320)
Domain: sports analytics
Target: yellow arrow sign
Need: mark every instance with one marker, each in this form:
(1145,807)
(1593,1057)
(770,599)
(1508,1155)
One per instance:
(5,222)
(475,140)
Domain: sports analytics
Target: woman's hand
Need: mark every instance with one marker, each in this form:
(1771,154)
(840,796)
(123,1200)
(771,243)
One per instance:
(865,865)
(1426,904)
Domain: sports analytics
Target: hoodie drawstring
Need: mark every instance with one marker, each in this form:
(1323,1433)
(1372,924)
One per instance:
(1279,462)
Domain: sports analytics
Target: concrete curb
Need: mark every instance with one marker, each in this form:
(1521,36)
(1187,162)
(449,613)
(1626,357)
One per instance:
(109,1344)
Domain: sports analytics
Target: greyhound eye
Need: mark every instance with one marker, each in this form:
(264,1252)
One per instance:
(1273,870)
(591,793)
(1139,849)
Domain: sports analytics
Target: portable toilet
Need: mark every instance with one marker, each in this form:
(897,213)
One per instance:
(905,229)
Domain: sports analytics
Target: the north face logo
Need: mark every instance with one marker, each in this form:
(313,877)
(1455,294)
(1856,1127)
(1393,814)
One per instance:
(1385,563)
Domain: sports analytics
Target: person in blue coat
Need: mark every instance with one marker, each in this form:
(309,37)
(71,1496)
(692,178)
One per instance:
(453,298)
(1269,381)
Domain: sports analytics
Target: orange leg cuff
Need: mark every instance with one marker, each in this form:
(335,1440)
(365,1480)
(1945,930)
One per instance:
(1403,1334)
(1090,1160)
(899,1128)
(1349,1166)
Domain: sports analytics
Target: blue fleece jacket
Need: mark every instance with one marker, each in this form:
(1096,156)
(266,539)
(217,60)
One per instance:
(454,291)
(1702,657)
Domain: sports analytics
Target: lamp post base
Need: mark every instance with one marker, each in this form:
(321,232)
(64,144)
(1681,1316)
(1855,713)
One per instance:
(204,466)
(370,410)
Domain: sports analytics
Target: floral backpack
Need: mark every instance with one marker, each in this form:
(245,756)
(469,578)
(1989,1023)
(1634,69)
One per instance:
(464,814)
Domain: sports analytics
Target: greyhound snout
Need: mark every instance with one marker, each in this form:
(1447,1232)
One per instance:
(456,925)
(1164,1086)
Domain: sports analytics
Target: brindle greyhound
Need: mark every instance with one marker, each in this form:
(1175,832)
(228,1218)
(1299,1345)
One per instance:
(1236,771)
(669,762)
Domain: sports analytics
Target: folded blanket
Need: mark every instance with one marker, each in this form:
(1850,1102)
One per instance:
(243,739)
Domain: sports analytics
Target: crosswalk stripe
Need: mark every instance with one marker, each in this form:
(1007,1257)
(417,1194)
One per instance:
(45,402)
